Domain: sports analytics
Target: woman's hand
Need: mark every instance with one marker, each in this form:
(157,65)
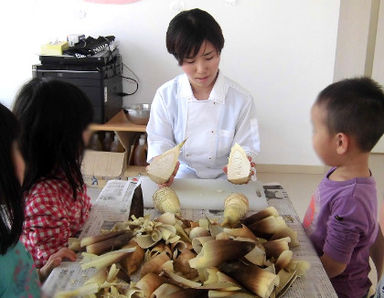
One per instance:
(170,181)
(55,260)
(252,172)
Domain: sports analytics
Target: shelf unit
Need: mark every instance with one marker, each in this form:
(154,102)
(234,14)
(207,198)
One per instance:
(119,122)
(127,129)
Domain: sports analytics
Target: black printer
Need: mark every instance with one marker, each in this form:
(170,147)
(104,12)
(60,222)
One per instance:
(99,76)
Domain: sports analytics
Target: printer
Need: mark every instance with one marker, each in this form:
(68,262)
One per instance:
(99,76)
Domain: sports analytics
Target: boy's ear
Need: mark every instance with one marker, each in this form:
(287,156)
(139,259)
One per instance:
(342,143)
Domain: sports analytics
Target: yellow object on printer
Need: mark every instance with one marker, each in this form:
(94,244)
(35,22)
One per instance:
(54,49)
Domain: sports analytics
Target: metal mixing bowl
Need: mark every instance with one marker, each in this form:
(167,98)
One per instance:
(139,113)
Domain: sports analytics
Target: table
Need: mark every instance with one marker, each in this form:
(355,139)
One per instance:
(314,284)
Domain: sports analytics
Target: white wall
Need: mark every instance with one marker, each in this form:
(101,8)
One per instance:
(359,50)
(378,64)
(353,41)
(282,51)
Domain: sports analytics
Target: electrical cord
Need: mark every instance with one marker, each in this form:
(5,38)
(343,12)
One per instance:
(133,80)
(130,80)
(131,71)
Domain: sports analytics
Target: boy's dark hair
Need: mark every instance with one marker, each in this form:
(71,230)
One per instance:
(11,199)
(188,30)
(355,107)
(53,116)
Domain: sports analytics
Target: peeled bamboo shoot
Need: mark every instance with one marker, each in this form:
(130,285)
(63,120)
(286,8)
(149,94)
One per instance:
(236,206)
(239,166)
(165,200)
(162,167)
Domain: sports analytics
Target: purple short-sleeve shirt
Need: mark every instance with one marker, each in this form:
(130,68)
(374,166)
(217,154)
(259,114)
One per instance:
(341,221)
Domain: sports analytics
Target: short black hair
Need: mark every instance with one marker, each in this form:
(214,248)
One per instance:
(11,199)
(53,115)
(188,30)
(355,107)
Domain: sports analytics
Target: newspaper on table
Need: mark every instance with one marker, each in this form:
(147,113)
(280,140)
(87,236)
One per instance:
(315,283)
(113,205)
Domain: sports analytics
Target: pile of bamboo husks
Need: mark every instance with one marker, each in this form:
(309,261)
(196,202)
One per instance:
(177,257)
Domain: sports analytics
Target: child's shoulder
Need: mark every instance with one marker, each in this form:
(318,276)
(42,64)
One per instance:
(354,194)
(57,188)
(356,200)
(357,187)
(46,185)
(17,276)
(49,190)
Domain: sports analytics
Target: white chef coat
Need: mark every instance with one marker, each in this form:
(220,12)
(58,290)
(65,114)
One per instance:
(212,126)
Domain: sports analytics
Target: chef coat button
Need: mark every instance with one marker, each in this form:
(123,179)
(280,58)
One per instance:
(212,131)
(210,157)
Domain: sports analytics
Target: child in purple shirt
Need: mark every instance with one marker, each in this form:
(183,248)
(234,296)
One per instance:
(341,220)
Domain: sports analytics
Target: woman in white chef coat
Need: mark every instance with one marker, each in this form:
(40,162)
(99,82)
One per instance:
(202,104)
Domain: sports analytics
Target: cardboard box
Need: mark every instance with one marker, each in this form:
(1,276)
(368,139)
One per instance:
(100,166)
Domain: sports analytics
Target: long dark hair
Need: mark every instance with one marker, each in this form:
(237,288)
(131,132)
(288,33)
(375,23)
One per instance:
(11,200)
(53,116)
